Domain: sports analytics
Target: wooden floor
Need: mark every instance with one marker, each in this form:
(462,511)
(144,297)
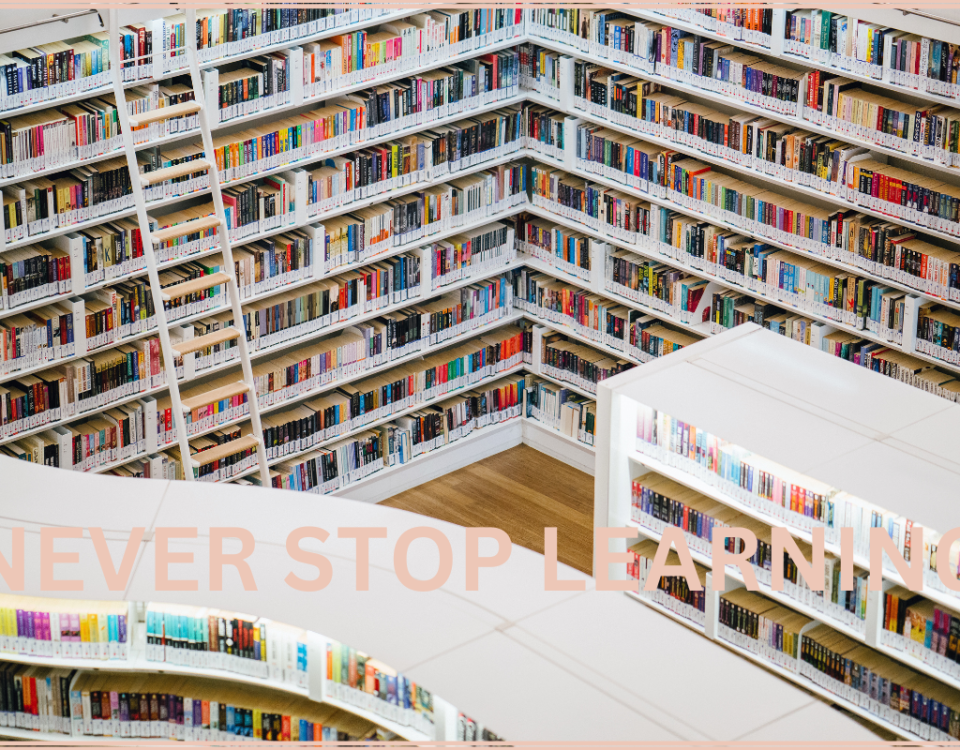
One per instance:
(521,491)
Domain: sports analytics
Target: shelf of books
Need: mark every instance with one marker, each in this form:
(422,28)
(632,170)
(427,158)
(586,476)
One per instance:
(89,670)
(704,440)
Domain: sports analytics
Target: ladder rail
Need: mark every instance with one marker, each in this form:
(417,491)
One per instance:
(169,358)
(225,246)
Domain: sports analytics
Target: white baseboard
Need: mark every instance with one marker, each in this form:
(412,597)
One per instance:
(484,443)
(563,448)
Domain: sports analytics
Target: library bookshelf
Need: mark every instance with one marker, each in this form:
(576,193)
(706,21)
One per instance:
(757,394)
(580,231)
(289,662)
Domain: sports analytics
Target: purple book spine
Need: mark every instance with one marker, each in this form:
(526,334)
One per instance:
(45,619)
(31,619)
(21,626)
(197,712)
(122,627)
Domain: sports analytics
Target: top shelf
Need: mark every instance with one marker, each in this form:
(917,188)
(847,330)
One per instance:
(777,37)
(879,440)
(309,32)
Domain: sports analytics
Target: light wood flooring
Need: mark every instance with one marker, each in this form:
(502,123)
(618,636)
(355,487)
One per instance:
(521,491)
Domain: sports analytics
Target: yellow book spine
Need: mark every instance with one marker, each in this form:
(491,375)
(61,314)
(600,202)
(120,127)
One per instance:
(84,629)
(94,628)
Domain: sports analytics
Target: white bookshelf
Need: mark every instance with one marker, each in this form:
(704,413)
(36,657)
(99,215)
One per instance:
(406,725)
(769,395)
(909,452)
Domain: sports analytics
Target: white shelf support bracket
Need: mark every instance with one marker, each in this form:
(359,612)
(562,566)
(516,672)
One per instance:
(598,265)
(911,317)
(570,142)
(566,83)
(874,620)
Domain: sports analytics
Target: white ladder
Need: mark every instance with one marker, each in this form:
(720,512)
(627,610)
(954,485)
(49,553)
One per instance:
(228,277)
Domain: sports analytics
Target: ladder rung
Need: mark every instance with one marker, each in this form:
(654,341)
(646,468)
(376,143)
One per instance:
(164,113)
(195,285)
(177,170)
(218,394)
(202,342)
(222,451)
(187,227)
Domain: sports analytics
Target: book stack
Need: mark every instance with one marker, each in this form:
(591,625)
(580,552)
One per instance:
(672,593)
(216,639)
(35,699)
(358,679)
(560,409)
(61,628)
(201,709)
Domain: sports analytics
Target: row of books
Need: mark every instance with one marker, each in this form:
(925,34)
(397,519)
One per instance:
(223,33)
(406,438)
(751,25)
(875,246)
(114,250)
(540,69)
(544,131)
(64,629)
(364,175)
(30,404)
(47,204)
(561,409)
(394,49)
(878,684)
(44,140)
(215,639)
(335,440)
(392,336)
(256,84)
(357,678)
(786,497)
(469,730)
(57,69)
(672,593)
(35,698)
(770,148)
(201,709)
(699,61)
(596,318)
(659,502)
(121,433)
(569,361)
(786,277)
(832,39)
(557,246)
(921,629)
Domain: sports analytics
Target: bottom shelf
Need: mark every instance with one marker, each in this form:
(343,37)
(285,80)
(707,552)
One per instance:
(786,674)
